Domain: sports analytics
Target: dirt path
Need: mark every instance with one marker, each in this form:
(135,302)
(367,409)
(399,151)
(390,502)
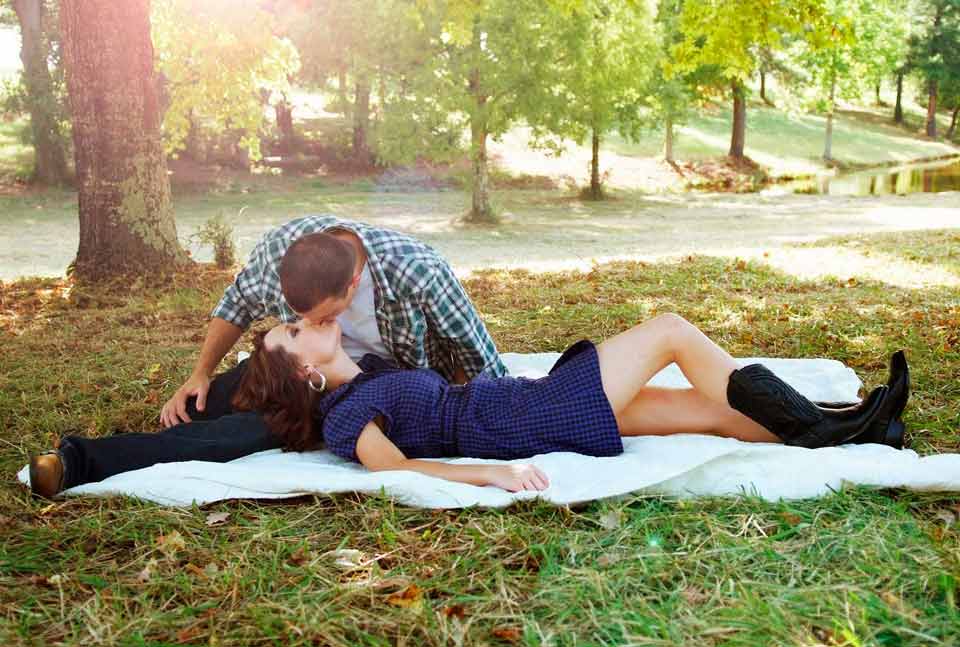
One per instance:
(544,231)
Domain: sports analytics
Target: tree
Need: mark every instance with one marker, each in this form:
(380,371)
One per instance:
(725,34)
(669,96)
(220,61)
(126,218)
(831,50)
(600,76)
(935,50)
(50,160)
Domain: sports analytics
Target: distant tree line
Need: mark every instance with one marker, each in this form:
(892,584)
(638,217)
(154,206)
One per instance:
(435,78)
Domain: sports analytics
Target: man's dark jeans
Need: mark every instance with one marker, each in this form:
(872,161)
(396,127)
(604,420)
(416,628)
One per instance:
(218,434)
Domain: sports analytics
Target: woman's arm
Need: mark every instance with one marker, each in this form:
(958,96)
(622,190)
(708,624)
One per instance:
(378,453)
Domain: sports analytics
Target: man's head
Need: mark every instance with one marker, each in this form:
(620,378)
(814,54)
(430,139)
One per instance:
(318,276)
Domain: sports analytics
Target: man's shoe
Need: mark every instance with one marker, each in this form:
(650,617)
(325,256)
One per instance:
(47,474)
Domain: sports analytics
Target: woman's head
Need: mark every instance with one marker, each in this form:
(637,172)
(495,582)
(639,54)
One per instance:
(275,384)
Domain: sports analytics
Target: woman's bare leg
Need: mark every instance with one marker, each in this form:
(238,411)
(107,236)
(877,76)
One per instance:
(660,412)
(630,359)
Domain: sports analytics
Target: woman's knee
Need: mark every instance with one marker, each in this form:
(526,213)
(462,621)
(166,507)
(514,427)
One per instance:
(672,327)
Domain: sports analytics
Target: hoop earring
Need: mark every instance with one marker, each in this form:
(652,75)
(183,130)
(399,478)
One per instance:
(323,382)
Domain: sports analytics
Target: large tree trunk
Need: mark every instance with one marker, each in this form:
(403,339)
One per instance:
(953,123)
(50,164)
(596,191)
(738,135)
(126,218)
(898,109)
(828,138)
(361,122)
(932,108)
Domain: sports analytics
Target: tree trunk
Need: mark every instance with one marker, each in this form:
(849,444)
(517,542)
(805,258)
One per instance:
(342,91)
(596,191)
(763,88)
(898,109)
(283,110)
(480,210)
(932,108)
(668,140)
(876,90)
(126,218)
(50,163)
(953,123)
(361,122)
(828,139)
(738,136)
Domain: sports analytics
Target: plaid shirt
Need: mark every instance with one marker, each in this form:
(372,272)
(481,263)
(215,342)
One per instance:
(424,316)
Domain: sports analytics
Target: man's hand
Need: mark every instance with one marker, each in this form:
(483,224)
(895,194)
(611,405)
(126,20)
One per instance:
(518,477)
(175,410)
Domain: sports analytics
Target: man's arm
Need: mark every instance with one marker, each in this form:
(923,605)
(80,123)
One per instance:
(221,336)
(453,317)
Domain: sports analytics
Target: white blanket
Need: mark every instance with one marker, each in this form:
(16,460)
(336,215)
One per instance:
(682,465)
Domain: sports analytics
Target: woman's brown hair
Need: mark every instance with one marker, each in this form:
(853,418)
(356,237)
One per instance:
(271,386)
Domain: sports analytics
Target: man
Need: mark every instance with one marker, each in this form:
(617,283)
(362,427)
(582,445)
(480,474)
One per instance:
(392,295)
(396,300)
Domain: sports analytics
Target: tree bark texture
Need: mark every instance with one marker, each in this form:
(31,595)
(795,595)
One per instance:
(361,122)
(763,88)
(596,190)
(738,135)
(932,90)
(828,138)
(668,140)
(480,209)
(126,218)
(50,163)
(284,114)
(953,123)
(898,108)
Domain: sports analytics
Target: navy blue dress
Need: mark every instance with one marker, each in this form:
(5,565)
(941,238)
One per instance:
(505,418)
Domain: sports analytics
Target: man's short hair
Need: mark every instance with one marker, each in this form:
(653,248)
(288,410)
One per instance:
(315,268)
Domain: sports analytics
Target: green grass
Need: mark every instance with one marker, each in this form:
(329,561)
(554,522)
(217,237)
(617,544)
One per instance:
(16,156)
(792,143)
(858,567)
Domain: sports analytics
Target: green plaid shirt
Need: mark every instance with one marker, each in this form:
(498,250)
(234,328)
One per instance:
(424,316)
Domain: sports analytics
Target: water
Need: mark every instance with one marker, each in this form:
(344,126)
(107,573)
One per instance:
(931,177)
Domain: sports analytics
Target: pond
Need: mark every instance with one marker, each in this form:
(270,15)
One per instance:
(930,177)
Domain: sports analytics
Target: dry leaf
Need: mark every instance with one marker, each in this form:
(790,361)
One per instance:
(410,597)
(211,569)
(610,520)
(608,559)
(217,518)
(791,518)
(455,611)
(694,595)
(508,634)
(347,559)
(171,543)
(299,557)
(196,570)
(144,576)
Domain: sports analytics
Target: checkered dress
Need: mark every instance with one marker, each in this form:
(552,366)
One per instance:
(424,316)
(504,418)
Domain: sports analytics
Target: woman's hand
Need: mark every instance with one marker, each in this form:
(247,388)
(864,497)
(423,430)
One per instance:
(518,477)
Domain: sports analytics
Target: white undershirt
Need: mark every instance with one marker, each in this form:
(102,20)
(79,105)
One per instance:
(359,322)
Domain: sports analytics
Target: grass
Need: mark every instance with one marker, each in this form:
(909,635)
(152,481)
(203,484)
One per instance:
(858,567)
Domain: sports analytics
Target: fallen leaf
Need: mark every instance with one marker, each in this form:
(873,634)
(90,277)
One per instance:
(188,635)
(608,559)
(169,544)
(455,611)
(694,595)
(196,570)
(144,576)
(610,520)
(299,556)
(791,518)
(410,597)
(347,559)
(507,634)
(211,569)
(217,518)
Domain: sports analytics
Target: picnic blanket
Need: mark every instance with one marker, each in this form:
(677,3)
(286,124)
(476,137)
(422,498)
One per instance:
(683,465)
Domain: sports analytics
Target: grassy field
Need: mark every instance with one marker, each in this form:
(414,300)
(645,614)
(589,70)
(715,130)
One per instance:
(858,567)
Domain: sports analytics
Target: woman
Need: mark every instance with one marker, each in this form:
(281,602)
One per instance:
(310,392)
